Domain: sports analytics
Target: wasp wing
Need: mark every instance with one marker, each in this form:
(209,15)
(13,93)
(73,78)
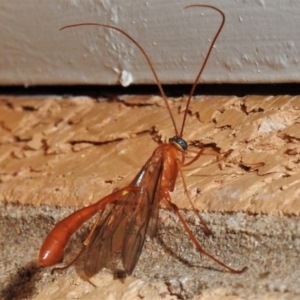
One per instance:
(121,234)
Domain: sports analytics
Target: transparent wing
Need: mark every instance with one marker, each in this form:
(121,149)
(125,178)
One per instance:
(121,234)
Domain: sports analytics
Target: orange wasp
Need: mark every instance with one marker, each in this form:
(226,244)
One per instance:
(119,236)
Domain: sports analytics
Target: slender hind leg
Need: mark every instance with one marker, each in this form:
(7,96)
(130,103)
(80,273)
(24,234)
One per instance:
(194,240)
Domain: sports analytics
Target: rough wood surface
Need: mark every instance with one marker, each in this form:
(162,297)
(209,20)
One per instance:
(73,151)
(58,153)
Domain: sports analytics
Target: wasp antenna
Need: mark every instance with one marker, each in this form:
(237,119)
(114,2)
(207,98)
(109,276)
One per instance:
(145,56)
(205,60)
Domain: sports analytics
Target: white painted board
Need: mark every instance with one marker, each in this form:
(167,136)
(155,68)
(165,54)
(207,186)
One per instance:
(260,42)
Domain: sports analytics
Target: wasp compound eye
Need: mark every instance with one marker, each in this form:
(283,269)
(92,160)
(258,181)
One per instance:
(178,142)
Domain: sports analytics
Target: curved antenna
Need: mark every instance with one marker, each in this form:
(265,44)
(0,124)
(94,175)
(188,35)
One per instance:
(205,60)
(143,52)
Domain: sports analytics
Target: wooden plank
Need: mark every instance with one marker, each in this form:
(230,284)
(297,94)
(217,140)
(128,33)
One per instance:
(72,152)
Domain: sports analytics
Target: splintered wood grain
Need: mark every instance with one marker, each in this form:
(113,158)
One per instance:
(74,151)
